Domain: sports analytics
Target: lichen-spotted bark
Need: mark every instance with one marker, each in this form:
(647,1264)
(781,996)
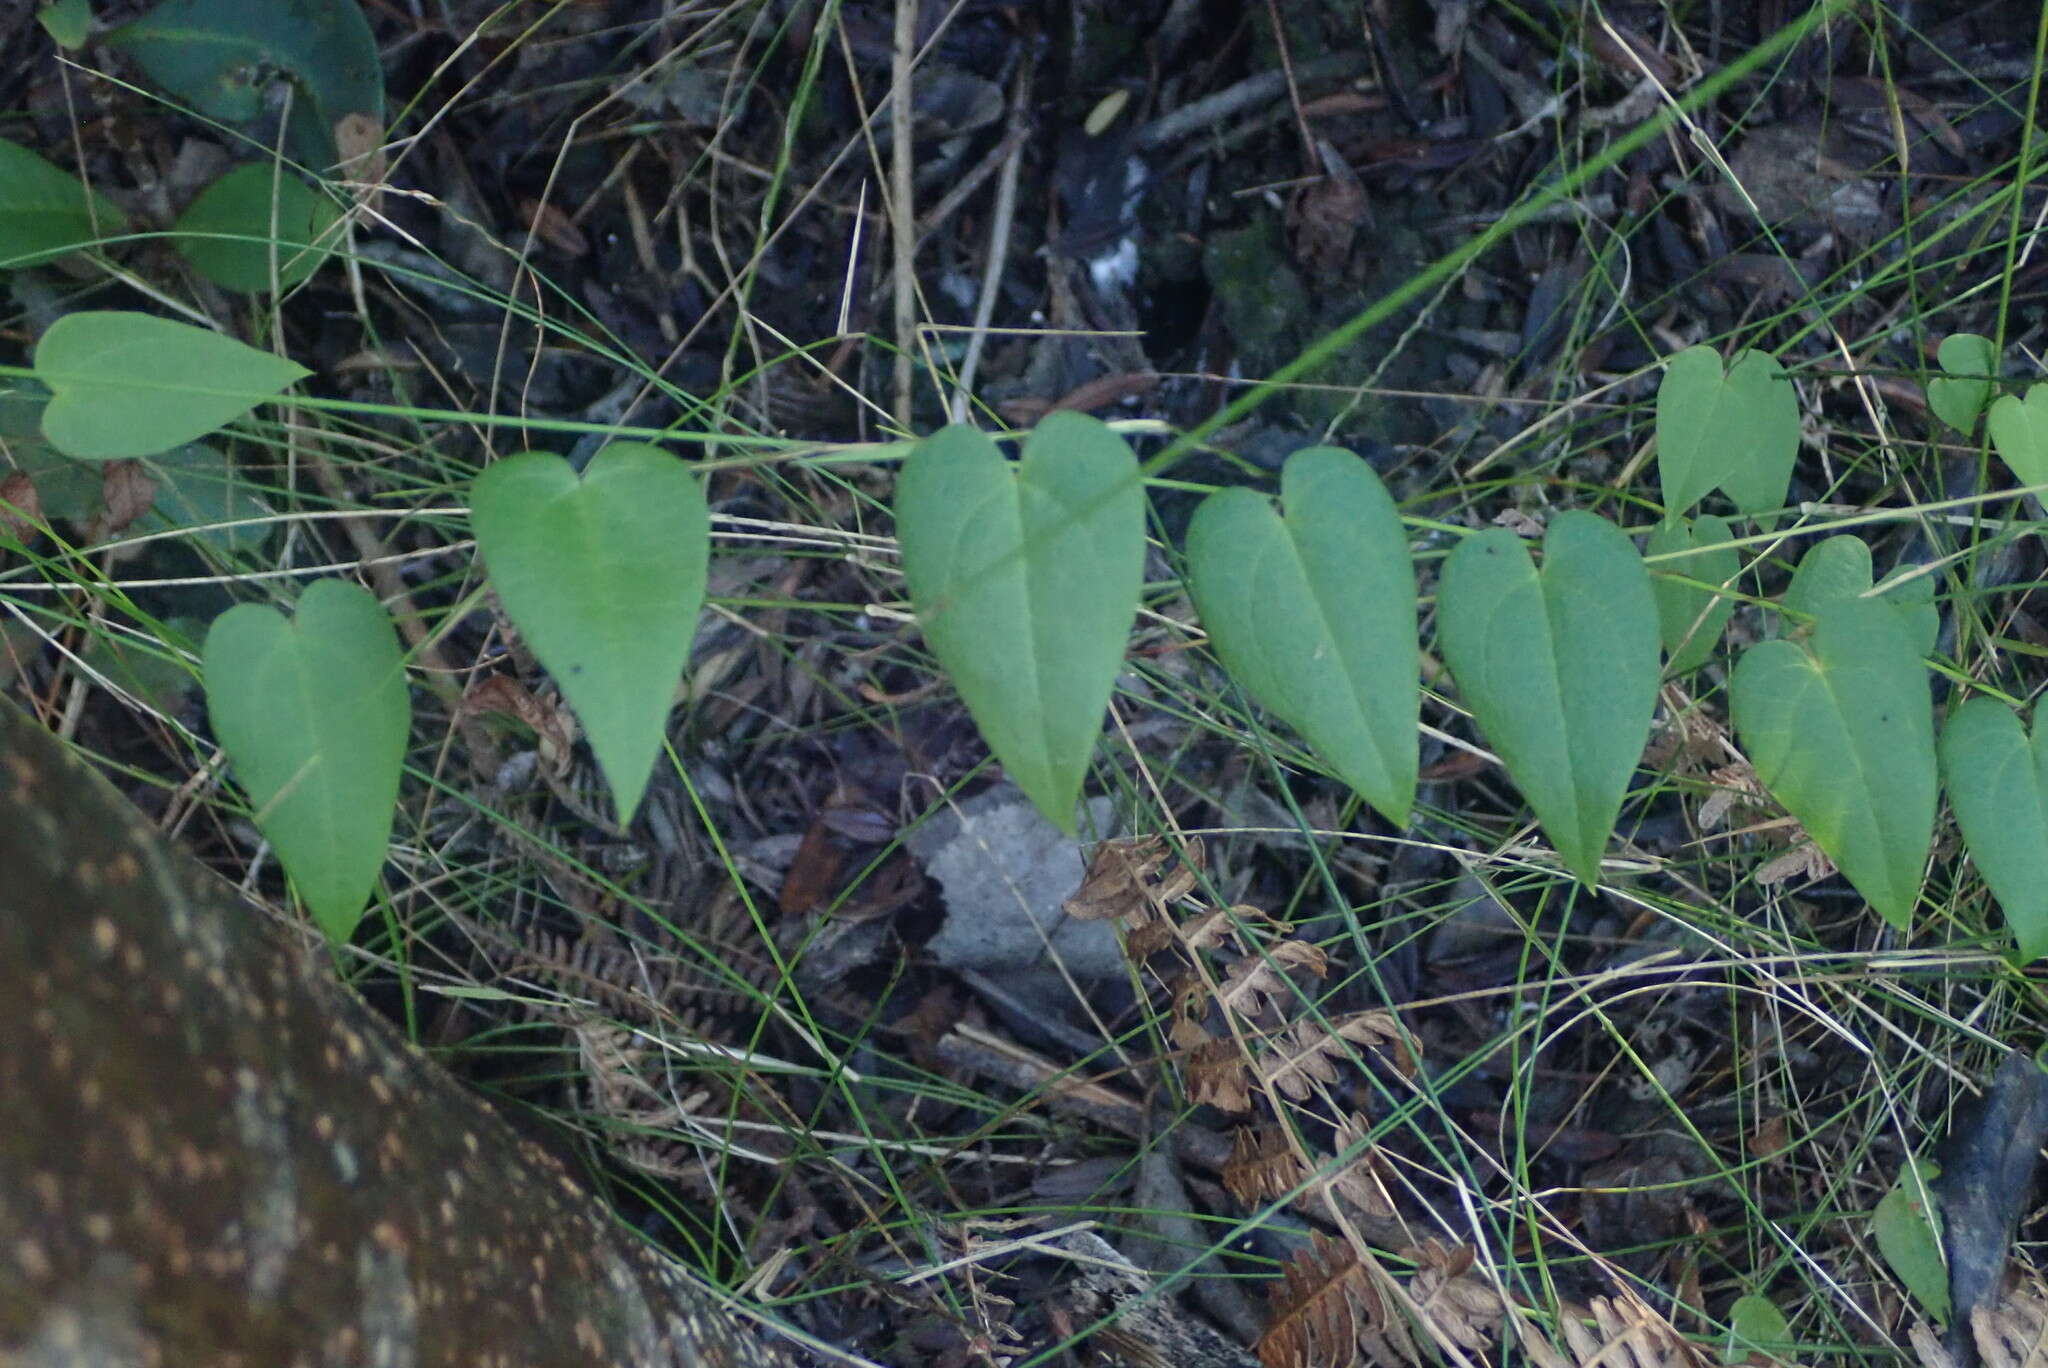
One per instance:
(211,1151)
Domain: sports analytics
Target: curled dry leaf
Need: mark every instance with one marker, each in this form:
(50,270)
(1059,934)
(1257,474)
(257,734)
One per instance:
(551,726)
(126,493)
(1217,1076)
(1260,981)
(1263,1166)
(1361,1182)
(1457,1305)
(21,508)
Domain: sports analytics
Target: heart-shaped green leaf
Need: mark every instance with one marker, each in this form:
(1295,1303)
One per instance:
(1754,1321)
(219,55)
(1560,668)
(1689,617)
(1960,395)
(1737,432)
(127,384)
(1998,786)
(604,577)
(314,714)
(1839,568)
(1907,1224)
(1840,729)
(1025,581)
(254,212)
(46,212)
(1315,616)
(2019,429)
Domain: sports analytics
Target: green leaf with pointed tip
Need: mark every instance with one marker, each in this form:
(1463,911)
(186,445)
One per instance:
(251,214)
(197,488)
(1998,785)
(128,384)
(1560,668)
(1754,1321)
(1907,1224)
(46,211)
(2019,429)
(68,22)
(223,56)
(1840,728)
(1958,396)
(604,577)
(1691,618)
(1736,431)
(1025,581)
(314,715)
(1315,615)
(1839,568)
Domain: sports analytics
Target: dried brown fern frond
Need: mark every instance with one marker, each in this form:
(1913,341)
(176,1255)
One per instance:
(1460,1306)
(1360,1181)
(1323,1306)
(1259,982)
(1626,1333)
(1309,1051)
(1218,1076)
(1263,1166)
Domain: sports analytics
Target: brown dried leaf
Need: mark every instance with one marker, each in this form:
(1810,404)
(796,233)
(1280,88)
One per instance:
(1323,1303)
(1117,878)
(1217,1076)
(554,732)
(1460,1306)
(21,507)
(126,493)
(1263,1166)
(1260,980)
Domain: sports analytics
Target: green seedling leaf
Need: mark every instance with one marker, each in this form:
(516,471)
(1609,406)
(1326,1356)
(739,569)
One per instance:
(1737,432)
(1315,616)
(604,577)
(1560,668)
(1907,1224)
(68,22)
(2019,429)
(236,225)
(1998,786)
(1839,568)
(197,489)
(1025,581)
(1754,1321)
(1691,618)
(222,56)
(1958,396)
(128,384)
(1840,729)
(47,212)
(314,714)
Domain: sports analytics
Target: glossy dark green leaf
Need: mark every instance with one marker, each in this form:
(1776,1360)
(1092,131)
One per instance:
(1025,579)
(1559,668)
(221,56)
(1314,615)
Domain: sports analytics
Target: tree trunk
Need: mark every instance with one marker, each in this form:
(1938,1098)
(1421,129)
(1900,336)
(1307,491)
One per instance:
(213,1152)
